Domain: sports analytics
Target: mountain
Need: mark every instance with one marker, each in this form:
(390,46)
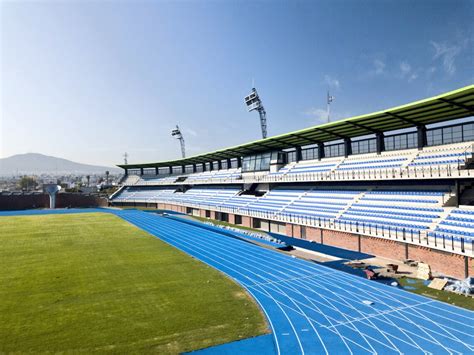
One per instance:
(34,163)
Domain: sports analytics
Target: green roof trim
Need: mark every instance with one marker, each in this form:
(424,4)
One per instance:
(448,106)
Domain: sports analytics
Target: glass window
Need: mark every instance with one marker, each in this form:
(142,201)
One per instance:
(468,132)
(334,150)
(309,153)
(256,162)
(291,156)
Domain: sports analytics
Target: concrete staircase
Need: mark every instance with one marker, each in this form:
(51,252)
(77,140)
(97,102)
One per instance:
(354,200)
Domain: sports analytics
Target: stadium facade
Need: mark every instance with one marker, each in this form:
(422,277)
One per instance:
(397,183)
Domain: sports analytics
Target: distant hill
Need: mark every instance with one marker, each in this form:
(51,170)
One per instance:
(34,163)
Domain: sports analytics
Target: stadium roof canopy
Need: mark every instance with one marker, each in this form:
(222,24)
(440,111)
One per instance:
(448,106)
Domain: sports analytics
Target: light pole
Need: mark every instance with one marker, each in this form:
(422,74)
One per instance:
(254,103)
(177,133)
(329,100)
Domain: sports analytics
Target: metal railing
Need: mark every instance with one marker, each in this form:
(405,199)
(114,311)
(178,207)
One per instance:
(415,236)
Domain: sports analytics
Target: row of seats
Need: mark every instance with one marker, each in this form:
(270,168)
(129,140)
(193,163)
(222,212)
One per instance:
(457,225)
(458,154)
(384,208)
(453,155)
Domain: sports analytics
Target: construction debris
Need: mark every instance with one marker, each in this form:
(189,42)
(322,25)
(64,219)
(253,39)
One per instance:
(424,271)
(464,287)
(438,284)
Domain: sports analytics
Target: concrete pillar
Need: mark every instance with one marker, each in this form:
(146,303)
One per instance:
(320,151)
(347,147)
(421,133)
(379,142)
(299,155)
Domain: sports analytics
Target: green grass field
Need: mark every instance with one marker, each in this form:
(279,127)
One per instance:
(94,283)
(443,296)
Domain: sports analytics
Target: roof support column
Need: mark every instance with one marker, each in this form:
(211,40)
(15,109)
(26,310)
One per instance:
(379,142)
(299,155)
(170,170)
(347,147)
(183,169)
(156,170)
(141,171)
(421,133)
(194,168)
(457,189)
(211,166)
(320,151)
(203,166)
(229,163)
(126,171)
(219,164)
(239,162)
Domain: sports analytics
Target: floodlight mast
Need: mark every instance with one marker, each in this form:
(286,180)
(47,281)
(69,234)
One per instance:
(330,99)
(177,133)
(254,103)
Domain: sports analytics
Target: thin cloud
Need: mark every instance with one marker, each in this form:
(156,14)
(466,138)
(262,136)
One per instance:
(412,77)
(191,132)
(379,66)
(405,68)
(317,114)
(447,54)
(332,82)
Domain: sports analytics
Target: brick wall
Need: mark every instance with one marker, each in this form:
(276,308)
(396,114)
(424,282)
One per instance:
(443,262)
(247,221)
(439,261)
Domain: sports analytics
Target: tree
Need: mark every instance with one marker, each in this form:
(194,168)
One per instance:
(28,183)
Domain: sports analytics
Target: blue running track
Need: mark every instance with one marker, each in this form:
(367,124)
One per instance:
(313,309)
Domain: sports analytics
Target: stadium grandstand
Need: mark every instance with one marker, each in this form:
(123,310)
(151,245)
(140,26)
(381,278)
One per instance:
(397,183)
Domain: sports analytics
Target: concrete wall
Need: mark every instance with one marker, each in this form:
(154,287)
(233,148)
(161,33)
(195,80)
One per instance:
(23,202)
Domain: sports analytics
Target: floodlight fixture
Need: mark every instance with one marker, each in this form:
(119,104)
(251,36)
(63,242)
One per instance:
(254,103)
(330,99)
(178,135)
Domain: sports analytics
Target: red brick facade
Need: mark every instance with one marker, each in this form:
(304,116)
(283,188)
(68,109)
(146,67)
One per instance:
(440,261)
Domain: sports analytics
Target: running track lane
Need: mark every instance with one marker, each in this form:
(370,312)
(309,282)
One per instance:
(313,309)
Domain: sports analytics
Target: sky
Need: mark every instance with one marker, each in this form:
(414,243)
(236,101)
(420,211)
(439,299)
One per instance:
(91,80)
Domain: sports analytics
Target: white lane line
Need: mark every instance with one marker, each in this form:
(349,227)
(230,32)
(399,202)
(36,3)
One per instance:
(291,279)
(376,315)
(193,247)
(227,257)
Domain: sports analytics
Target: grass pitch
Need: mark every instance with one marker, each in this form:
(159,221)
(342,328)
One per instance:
(94,283)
